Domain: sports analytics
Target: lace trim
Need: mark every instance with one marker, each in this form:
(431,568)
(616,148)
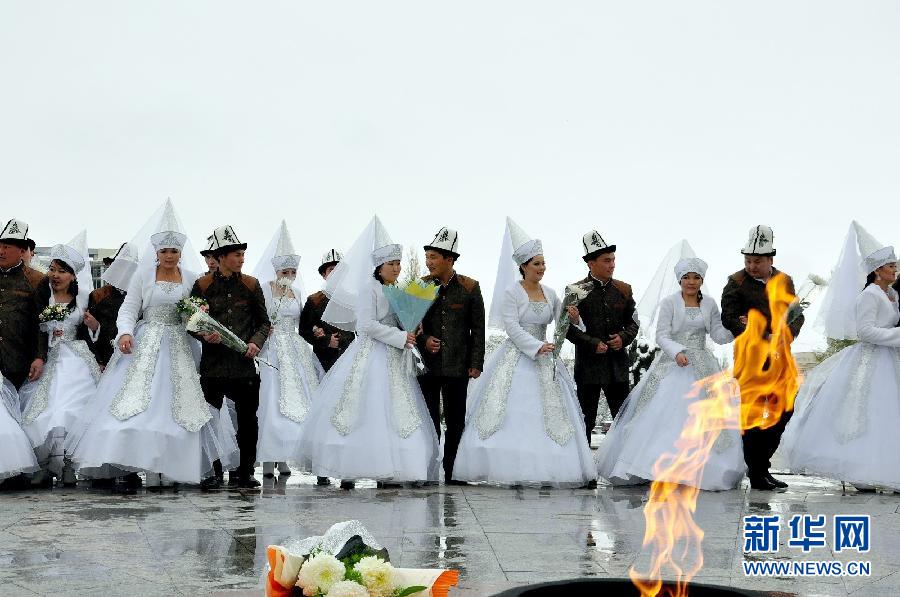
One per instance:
(42,395)
(402,374)
(557,423)
(492,410)
(295,364)
(347,408)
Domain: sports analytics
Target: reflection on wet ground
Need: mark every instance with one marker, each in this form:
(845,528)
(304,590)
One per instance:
(92,542)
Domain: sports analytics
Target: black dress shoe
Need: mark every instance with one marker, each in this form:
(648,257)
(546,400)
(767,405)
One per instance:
(592,484)
(210,483)
(347,484)
(761,483)
(456,482)
(103,483)
(268,475)
(248,483)
(775,482)
(387,485)
(322,481)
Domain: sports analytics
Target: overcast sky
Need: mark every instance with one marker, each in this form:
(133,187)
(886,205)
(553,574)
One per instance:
(648,121)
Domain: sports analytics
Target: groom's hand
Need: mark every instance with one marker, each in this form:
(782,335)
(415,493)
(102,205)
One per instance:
(432,345)
(615,341)
(474,373)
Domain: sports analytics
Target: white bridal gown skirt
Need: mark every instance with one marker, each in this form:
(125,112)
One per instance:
(150,441)
(278,433)
(520,452)
(641,434)
(71,388)
(373,449)
(846,425)
(17,454)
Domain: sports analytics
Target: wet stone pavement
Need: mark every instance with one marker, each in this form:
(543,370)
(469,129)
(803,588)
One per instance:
(92,542)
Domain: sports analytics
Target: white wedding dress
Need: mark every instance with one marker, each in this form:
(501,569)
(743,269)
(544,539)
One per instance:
(286,392)
(847,414)
(369,419)
(17,455)
(52,404)
(656,411)
(149,413)
(523,426)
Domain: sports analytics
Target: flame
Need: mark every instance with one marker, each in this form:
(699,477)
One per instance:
(767,377)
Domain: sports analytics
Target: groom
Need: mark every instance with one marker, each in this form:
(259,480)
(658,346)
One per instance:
(236,301)
(744,291)
(451,342)
(608,313)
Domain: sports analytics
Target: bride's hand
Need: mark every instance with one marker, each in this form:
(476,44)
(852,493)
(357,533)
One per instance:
(681,359)
(126,342)
(410,339)
(546,348)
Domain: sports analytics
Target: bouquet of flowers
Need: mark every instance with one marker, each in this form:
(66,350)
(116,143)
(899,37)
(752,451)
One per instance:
(51,319)
(190,305)
(200,322)
(411,302)
(345,563)
(574,294)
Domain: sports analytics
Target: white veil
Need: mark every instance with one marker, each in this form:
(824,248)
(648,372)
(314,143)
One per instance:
(507,270)
(347,285)
(663,283)
(164,219)
(837,315)
(122,268)
(281,245)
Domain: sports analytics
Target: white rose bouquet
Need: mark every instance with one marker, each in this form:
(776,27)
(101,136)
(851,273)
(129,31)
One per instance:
(202,323)
(52,318)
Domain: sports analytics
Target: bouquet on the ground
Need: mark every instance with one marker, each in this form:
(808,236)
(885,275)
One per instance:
(52,318)
(348,562)
(190,305)
(574,294)
(410,303)
(200,322)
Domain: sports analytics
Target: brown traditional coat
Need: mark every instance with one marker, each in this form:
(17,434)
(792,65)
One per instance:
(456,318)
(310,317)
(606,310)
(237,302)
(20,339)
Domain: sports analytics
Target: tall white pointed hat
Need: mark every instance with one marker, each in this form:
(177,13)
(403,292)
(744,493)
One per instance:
(594,245)
(873,253)
(122,267)
(524,247)
(385,249)
(446,240)
(285,257)
(73,253)
(760,242)
(168,235)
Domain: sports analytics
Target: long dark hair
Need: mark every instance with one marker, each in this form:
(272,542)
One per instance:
(377,274)
(44,292)
(870,279)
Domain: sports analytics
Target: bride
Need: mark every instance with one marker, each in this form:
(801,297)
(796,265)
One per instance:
(848,409)
(524,425)
(149,413)
(52,404)
(657,409)
(287,388)
(369,419)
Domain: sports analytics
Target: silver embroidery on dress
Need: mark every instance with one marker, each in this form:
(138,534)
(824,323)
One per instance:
(189,408)
(852,420)
(347,408)
(80,348)
(492,410)
(293,399)
(704,366)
